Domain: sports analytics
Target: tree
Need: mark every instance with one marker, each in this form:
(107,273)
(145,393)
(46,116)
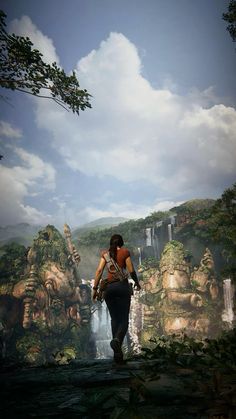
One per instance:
(230,17)
(22,68)
(13,262)
(222,226)
(215,225)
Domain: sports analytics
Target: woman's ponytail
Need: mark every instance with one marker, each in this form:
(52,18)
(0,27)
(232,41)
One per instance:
(115,241)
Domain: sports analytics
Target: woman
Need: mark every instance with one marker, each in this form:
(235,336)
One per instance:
(117,294)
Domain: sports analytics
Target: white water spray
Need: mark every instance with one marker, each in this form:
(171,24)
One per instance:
(148,236)
(228,313)
(170,232)
(135,322)
(102,330)
(139,256)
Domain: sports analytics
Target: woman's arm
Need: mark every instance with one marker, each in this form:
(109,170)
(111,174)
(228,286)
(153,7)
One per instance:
(130,268)
(98,276)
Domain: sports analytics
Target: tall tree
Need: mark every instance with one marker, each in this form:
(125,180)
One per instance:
(22,68)
(230,17)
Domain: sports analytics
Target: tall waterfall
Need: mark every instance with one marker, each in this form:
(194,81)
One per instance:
(135,322)
(148,236)
(170,232)
(228,313)
(139,256)
(102,330)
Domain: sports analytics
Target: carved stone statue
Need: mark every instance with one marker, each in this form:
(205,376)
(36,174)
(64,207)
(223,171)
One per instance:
(177,300)
(50,297)
(204,276)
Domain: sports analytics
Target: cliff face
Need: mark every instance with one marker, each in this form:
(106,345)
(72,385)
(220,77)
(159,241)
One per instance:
(189,209)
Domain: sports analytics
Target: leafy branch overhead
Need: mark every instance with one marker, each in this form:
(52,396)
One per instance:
(22,68)
(230,17)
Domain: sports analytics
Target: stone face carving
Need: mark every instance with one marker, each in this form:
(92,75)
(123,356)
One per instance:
(54,303)
(185,300)
(204,276)
(180,299)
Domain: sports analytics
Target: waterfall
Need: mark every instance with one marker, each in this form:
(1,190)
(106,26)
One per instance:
(158,248)
(228,314)
(139,256)
(135,322)
(154,241)
(170,232)
(102,330)
(148,236)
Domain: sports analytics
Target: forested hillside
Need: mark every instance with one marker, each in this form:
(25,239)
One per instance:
(198,223)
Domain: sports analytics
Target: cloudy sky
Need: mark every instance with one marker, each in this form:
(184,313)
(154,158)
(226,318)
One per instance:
(162,128)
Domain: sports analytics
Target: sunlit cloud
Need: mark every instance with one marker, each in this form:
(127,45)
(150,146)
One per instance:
(18,183)
(182,145)
(7,130)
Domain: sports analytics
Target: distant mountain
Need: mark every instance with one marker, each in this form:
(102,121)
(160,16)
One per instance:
(99,224)
(22,233)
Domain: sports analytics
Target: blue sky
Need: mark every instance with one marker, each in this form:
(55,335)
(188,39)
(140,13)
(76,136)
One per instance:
(162,128)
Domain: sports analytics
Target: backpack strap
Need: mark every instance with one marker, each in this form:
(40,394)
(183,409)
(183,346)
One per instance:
(112,263)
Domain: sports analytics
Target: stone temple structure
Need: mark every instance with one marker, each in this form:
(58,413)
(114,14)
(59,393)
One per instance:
(179,298)
(45,313)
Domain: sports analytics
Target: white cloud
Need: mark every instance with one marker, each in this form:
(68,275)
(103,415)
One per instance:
(25,27)
(20,181)
(181,144)
(34,170)
(184,145)
(7,130)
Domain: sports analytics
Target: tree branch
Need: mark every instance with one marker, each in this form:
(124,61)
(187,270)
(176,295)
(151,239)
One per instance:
(43,96)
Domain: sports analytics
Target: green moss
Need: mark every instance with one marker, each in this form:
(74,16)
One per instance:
(27,341)
(50,245)
(13,263)
(65,356)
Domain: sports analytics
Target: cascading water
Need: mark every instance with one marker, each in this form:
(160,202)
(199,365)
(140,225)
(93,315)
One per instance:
(135,322)
(228,313)
(102,331)
(170,232)
(148,236)
(139,256)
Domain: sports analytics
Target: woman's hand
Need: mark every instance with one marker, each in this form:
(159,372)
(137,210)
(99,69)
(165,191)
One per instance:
(94,295)
(97,278)
(137,286)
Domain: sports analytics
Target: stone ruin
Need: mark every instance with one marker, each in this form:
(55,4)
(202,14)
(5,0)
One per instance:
(178,298)
(45,314)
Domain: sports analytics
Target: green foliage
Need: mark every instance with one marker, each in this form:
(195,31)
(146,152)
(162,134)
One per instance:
(65,356)
(132,231)
(222,225)
(185,350)
(193,206)
(171,347)
(51,245)
(29,340)
(23,69)
(216,225)
(230,17)
(150,262)
(94,404)
(131,406)
(12,263)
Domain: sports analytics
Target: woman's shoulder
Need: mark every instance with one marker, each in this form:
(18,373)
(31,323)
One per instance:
(125,252)
(103,252)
